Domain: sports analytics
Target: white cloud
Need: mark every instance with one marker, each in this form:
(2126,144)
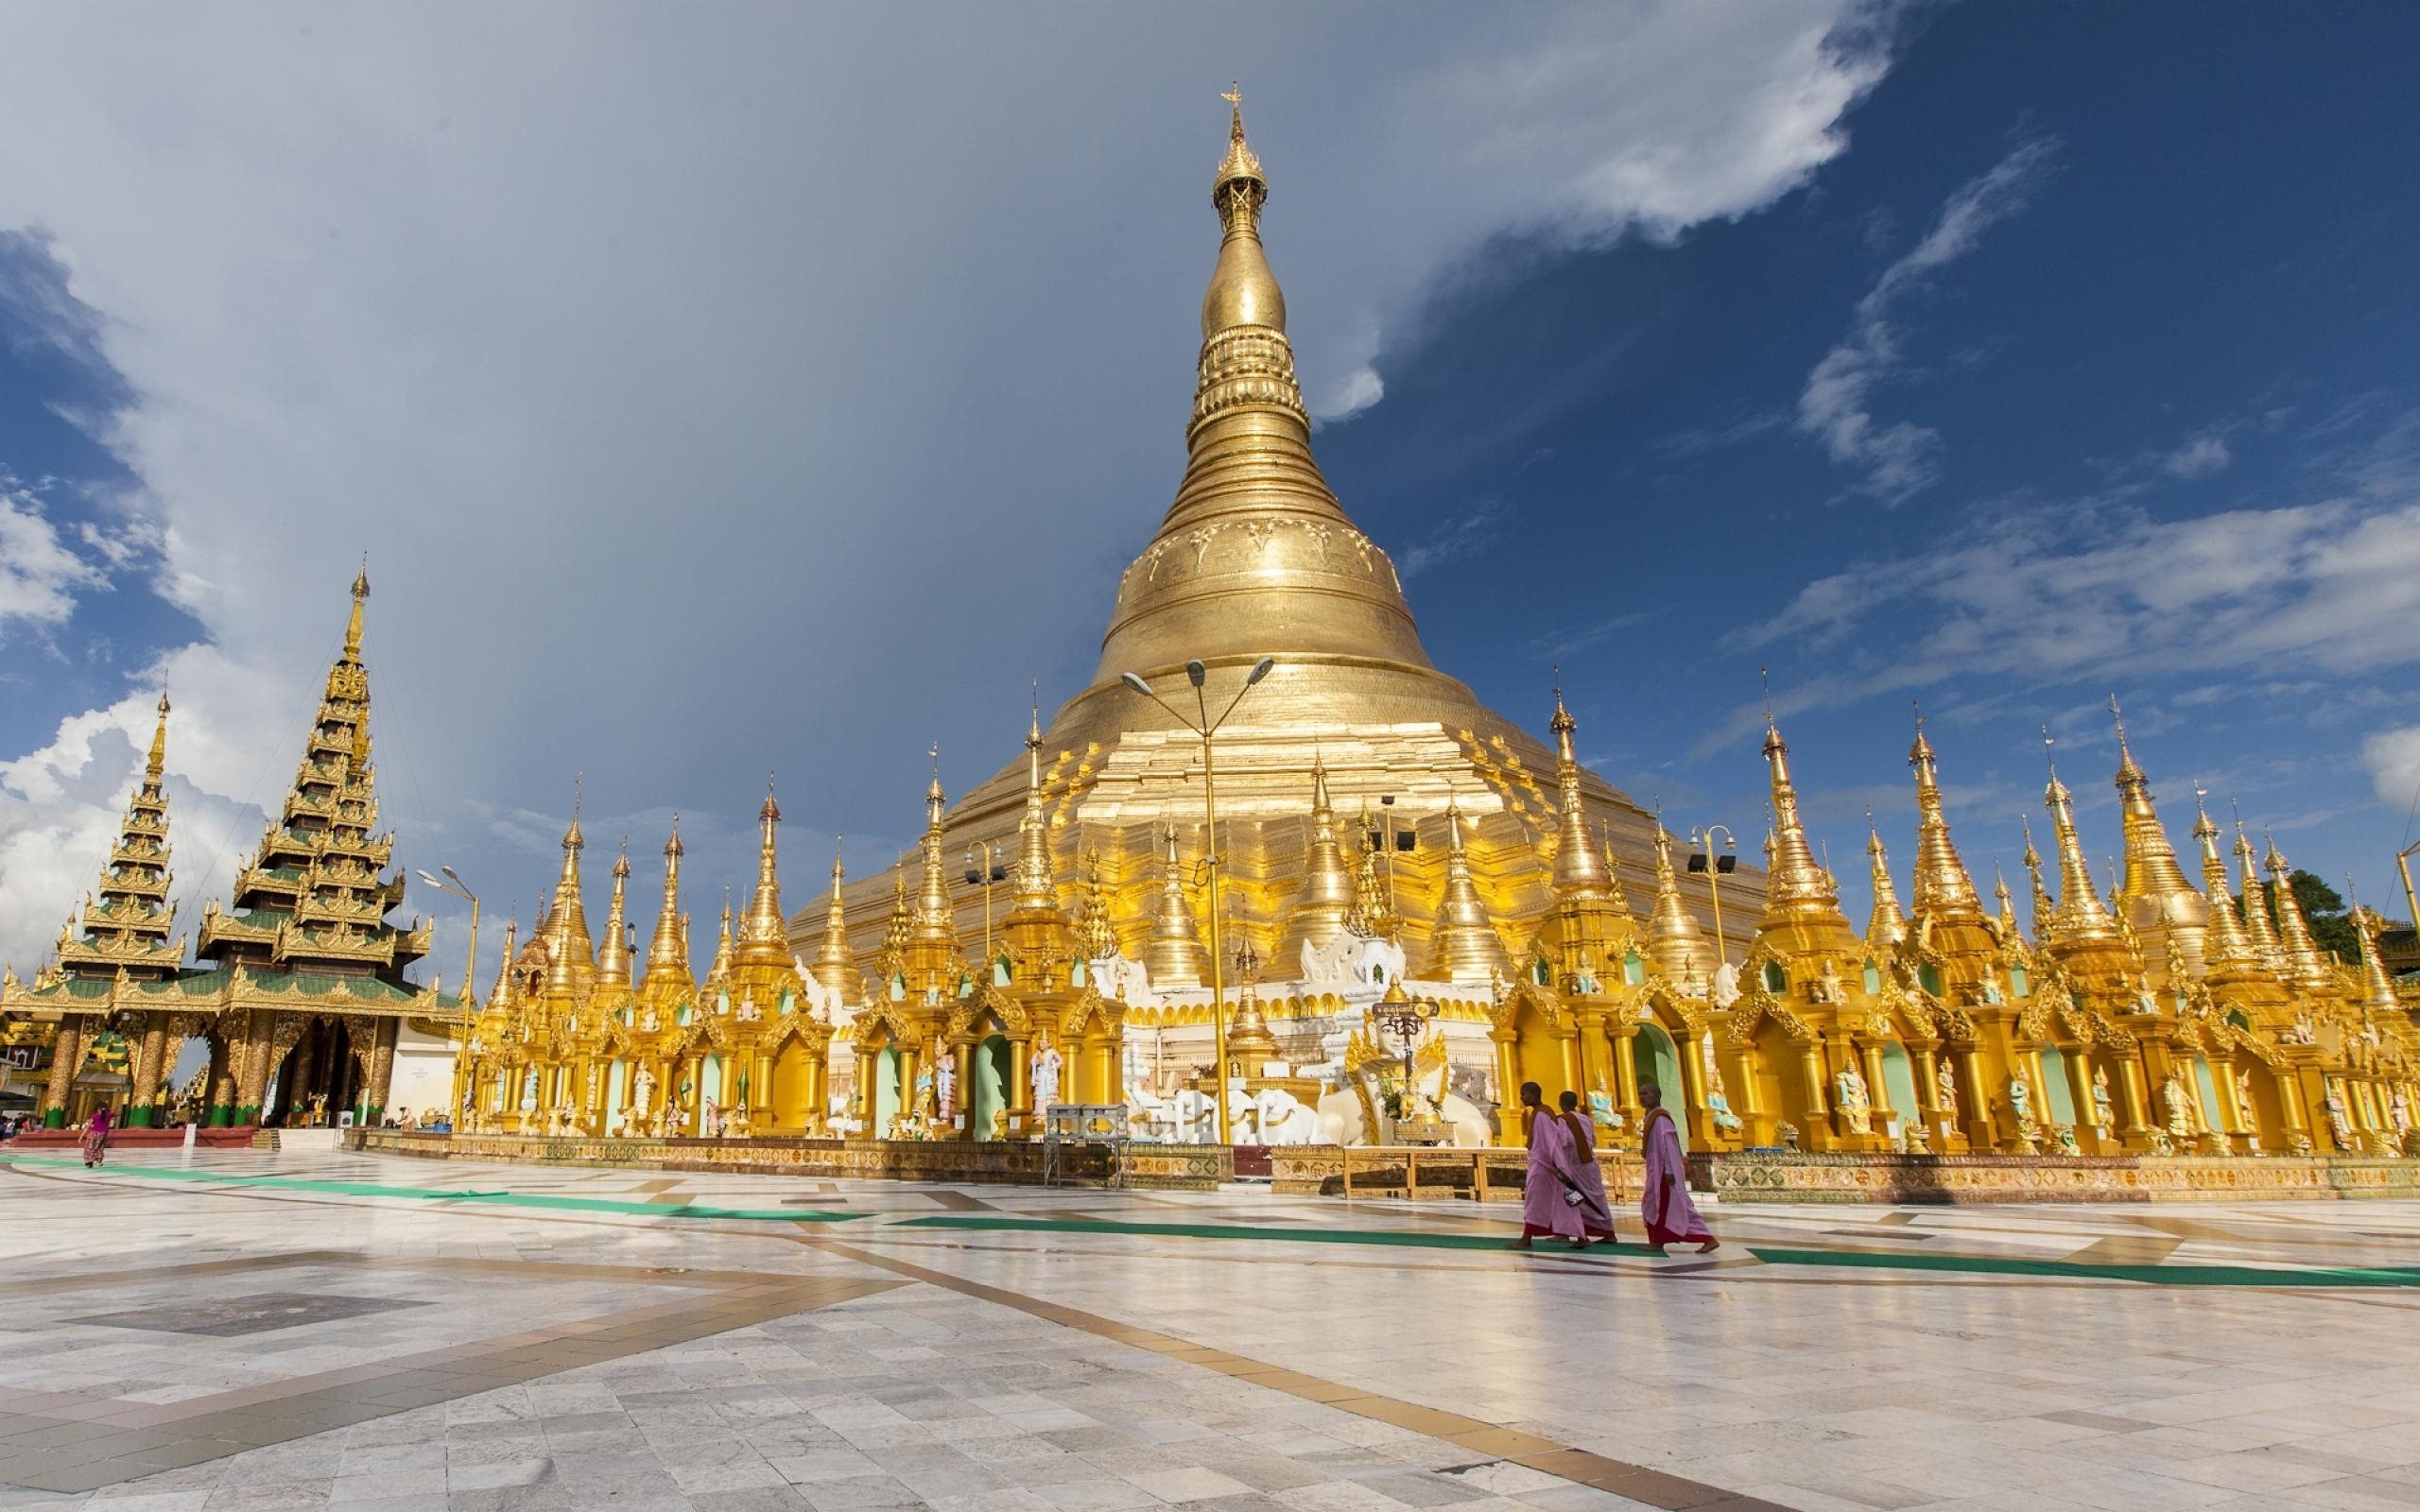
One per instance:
(650,348)
(2200,458)
(1900,459)
(40,575)
(2393,759)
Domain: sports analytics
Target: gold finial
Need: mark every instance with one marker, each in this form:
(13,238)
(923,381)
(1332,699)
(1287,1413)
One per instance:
(360,591)
(622,862)
(1765,677)
(573,839)
(673,847)
(933,793)
(159,758)
(771,811)
(838,844)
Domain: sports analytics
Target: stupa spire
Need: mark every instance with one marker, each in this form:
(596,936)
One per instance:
(1037,887)
(2229,947)
(2045,914)
(1797,883)
(720,972)
(1324,905)
(1578,870)
(2378,988)
(2155,897)
(614,955)
(2304,961)
(1174,956)
(2007,904)
(1463,946)
(834,966)
(764,938)
(667,945)
(936,923)
(1097,939)
(1674,942)
(128,927)
(1888,926)
(2081,916)
(571,952)
(1944,890)
(2257,924)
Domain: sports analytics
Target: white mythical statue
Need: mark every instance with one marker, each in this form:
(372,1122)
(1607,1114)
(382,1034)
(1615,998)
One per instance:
(1352,960)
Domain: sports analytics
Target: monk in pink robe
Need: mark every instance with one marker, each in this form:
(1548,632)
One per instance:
(1671,1217)
(1546,1191)
(1596,1210)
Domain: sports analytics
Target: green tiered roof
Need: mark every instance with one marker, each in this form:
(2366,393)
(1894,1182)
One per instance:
(129,927)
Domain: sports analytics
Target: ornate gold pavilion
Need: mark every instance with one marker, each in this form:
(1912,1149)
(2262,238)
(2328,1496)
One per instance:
(1383,838)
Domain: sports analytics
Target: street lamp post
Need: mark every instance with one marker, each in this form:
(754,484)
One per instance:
(983,871)
(1702,858)
(2403,863)
(1205,727)
(452,883)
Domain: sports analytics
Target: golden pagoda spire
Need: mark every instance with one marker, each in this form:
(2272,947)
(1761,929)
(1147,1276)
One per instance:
(720,972)
(129,926)
(1674,942)
(1578,870)
(1251,1044)
(2229,948)
(2007,917)
(2155,897)
(1374,911)
(1888,926)
(2045,915)
(899,930)
(2257,924)
(570,951)
(667,947)
(501,997)
(1463,946)
(936,925)
(2304,961)
(1944,891)
(1797,886)
(834,966)
(1098,935)
(2081,916)
(1037,888)
(1174,956)
(2378,988)
(765,940)
(613,956)
(1613,893)
(353,625)
(1325,904)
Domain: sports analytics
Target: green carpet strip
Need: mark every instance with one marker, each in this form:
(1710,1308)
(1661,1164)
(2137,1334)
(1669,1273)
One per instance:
(1411,1240)
(2149,1275)
(508,1199)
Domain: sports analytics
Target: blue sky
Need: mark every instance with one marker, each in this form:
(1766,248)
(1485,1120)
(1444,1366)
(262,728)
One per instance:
(713,401)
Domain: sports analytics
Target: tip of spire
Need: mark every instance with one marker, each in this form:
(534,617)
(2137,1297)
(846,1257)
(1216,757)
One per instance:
(673,847)
(361,580)
(771,812)
(1240,161)
(1561,724)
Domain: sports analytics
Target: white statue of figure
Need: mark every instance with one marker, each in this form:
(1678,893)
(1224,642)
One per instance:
(2340,1123)
(642,1093)
(529,1090)
(712,1120)
(1717,1107)
(1827,986)
(2304,1032)
(2398,1112)
(1693,982)
(1601,1111)
(1993,996)
(1282,1120)
(1726,984)
(945,1085)
(649,1022)
(2104,1113)
(749,1011)
(2020,1101)
(1046,1076)
(2180,1107)
(2243,1094)
(2143,1000)
(1849,1088)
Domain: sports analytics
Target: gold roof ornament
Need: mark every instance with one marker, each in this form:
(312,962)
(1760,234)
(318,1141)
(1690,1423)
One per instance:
(764,938)
(2257,926)
(2155,897)
(936,933)
(1463,947)
(1578,870)
(2045,914)
(1098,938)
(2080,918)
(2230,949)
(668,977)
(2378,988)
(2306,963)
(1888,926)
(1174,956)
(1037,887)
(614,955)
(1942,891)
(720,972)
(570,951)
(1801,903)
(835,968)
(1251,1044)
(2007,919)
(1674,942)
(1323,907)
(1373,913)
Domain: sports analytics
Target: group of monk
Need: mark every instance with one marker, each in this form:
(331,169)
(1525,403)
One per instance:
(1565,1191)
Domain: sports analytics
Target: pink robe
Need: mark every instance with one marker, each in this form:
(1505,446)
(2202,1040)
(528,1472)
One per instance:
(1543,1209)
(1671,1217)
(1597,1213)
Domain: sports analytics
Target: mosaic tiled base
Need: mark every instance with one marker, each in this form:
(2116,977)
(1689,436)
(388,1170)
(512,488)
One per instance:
(1963,1179)
(1166,1167)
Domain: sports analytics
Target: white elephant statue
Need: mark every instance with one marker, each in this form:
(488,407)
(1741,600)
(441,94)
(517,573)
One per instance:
(1278,1118)
(1343,1124)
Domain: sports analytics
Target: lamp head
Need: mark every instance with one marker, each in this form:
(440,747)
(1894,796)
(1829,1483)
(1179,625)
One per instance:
(457,881)
(1196,673)
(1135,681)
(426,878)
(1261,669)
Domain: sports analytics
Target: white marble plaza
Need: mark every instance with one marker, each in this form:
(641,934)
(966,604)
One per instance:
(269,1331)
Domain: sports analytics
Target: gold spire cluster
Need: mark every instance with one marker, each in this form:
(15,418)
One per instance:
(128,927)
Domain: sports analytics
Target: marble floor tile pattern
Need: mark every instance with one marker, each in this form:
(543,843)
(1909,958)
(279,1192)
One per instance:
(531,1358)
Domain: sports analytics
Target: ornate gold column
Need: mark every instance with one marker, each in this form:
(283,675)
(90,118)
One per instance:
(1021,1076)
(1979,1102)
(218,1108)
(1928,1107)
(2089,1135)
(962,1060)
(1819,1110)
(66,1059)
(1507,1094)
(382,1071)
(1623,1054)
(1882,1112)
(152,1048)
(252,1066)
(907,1057)
(2129,1074)
(1693,1095)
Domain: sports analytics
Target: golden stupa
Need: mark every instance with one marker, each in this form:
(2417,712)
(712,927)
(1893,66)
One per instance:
(1257,558)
